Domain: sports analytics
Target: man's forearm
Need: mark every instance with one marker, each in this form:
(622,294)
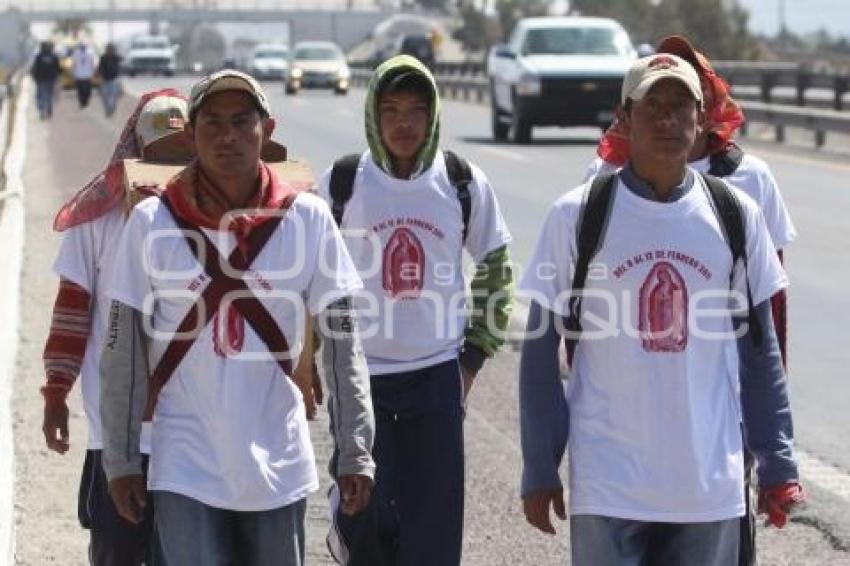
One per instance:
(492,302)
(766,409)
(123,391)
(544,415)
(347,381)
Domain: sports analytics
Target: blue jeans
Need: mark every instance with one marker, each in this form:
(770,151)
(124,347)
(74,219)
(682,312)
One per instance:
(114,540)
(607,541)
(44,98)
(415,514)
(109,92)
(193,534)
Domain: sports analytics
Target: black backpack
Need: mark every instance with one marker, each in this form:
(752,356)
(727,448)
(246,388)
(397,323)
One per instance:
(345,170)
(593,221)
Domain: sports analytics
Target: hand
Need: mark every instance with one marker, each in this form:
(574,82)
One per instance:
(536,508)
(305,377)
(55,426)
(129,494)
(468,378)
(318,392)
(777,502)
(354,492)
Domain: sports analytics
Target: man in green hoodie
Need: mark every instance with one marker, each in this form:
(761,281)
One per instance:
(407,211)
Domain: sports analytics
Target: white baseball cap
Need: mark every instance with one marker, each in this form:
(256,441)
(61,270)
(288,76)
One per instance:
(159,128)
(647,71)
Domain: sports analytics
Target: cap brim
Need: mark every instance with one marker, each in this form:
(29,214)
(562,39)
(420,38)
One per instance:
(173,148)
(678,45)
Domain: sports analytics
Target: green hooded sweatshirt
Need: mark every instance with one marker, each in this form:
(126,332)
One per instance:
(493,281)
(386,72)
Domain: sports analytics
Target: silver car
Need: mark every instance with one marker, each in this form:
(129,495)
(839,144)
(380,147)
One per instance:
(318,64)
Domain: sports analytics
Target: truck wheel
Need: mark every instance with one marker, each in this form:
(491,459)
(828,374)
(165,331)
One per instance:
(500,129)
(521,130)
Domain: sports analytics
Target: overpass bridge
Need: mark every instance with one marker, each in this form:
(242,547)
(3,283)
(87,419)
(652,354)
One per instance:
(346,22)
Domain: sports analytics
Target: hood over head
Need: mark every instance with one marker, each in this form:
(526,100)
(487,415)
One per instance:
(384,76)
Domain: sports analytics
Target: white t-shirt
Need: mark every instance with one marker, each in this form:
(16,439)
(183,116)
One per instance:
(229,428)
(405,237)
(654,413)
(752,176)
(85,258)
(84,64)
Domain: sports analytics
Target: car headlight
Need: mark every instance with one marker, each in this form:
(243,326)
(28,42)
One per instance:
(343,73)
(297,72)
(528,85)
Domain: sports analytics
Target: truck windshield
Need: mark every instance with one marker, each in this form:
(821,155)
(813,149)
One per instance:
(573,41)
(150,44)
(317,54)
(271,54)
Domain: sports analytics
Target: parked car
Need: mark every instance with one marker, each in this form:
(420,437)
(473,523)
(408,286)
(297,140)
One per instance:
(557,72)
(318,64)
(152,54)
(269,61)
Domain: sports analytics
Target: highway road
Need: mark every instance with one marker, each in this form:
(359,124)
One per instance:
(319,127)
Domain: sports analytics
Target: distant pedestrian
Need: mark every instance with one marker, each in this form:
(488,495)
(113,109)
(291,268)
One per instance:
(84,68)
(109,68)
(45,70)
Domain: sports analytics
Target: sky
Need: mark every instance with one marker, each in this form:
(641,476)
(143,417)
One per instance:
(802,16)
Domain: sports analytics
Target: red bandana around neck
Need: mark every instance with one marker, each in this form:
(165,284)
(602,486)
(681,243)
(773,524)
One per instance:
(197,200)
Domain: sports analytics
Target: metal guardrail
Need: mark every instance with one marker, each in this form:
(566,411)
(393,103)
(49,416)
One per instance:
(820,122)
(764,76)
(475,88)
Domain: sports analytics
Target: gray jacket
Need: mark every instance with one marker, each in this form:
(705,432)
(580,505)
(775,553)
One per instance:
(123,385)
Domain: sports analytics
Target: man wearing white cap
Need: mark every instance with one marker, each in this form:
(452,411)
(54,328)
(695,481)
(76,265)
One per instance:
(682,269)
(222,272)
(91,223)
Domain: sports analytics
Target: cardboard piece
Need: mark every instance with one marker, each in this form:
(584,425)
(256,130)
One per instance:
(144,178)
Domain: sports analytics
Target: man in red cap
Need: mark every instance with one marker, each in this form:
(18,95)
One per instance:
(715,152)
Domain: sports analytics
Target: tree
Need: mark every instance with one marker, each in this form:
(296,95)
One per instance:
(473,31)
(717,27)
(510,11)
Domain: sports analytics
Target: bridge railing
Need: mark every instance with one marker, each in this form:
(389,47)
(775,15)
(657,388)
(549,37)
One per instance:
(475,88)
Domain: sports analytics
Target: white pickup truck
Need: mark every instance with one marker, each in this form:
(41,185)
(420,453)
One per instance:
(153,54)
(557,71)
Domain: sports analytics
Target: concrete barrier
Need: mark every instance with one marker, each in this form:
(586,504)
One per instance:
(12,236)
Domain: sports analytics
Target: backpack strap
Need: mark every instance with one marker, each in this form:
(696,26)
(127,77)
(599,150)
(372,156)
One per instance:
(724,163)
(343,174)
(592,223)
(460,175)
(731,218)
(204,309)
